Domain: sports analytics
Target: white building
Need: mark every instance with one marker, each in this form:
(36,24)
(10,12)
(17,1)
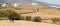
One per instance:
(55,6)
(18,4)
(4,5)
(34,4)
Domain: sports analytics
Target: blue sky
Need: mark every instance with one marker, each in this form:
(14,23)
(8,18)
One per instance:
(57,2)
(1,0)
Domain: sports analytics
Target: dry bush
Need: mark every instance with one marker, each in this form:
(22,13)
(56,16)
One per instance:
(28,18)
(10,14)
(13,14)
(2,13)
(37,19)
(55,20)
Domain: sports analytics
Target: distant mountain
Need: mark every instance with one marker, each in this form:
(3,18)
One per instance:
(27,2)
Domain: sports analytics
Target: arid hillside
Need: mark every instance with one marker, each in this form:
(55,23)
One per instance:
(44,11)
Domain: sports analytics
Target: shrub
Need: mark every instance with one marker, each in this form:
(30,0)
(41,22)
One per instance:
(28,18)
(22,18)
(10,14)
(2,13)
(16,17)
(55,20)
(13,14)
(0,4)
(37,19)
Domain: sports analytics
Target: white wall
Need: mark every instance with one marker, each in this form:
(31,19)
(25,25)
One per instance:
(18,4)
(4,5)
(15,4)
(34,4)
(55,6)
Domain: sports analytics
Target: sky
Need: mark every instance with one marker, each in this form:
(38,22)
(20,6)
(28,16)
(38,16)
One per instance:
(0,0)
(57,2)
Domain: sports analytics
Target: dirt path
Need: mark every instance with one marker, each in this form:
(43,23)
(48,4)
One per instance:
(24,23)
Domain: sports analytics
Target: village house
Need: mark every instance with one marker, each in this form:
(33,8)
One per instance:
(11,4)
(16,3)
(55,6)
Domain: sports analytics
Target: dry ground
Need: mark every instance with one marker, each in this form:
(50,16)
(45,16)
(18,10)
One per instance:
(44,13)
(24,23)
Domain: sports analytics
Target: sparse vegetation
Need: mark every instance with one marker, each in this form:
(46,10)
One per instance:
(28,18)
(37,19)
(17,8)
(0,4)
(0,7)
(55,20)
(10,14)
(13,14)
(22,17)
(2,13)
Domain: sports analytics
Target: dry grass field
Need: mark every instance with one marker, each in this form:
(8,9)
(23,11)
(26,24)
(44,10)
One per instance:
(45,12)
(24,23)
(30,7)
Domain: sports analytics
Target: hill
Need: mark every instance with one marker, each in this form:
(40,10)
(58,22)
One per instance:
(25,2)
